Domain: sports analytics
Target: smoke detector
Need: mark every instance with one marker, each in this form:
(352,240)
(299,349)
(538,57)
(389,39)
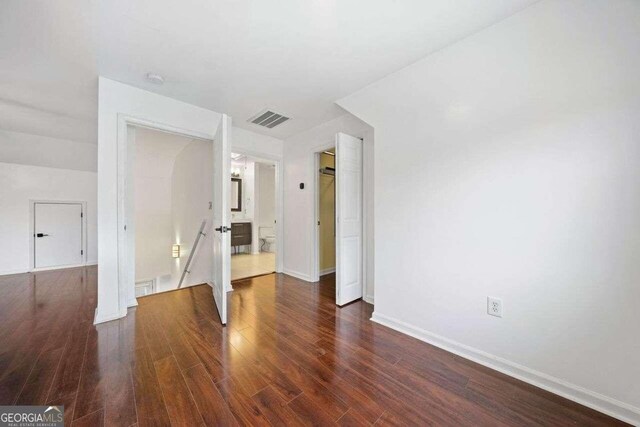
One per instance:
(268,119)
(156,79)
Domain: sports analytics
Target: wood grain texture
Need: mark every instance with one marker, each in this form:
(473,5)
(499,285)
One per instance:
(288,356)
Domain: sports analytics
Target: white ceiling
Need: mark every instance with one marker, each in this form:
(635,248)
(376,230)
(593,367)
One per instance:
(234,56)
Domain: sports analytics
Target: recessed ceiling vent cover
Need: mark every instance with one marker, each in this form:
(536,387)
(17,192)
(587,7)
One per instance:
(268,119)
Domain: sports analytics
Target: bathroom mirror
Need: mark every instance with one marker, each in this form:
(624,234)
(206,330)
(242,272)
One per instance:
(236,195)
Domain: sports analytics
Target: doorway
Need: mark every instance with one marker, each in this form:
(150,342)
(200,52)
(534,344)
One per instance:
(57,234)
(327,212)
(346,156)
(119,107)
(254,216)
(171,195)
(215,267)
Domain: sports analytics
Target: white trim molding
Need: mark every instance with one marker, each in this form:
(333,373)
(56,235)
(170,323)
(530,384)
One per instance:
(58,267)
(101,318)
(298,275)
(326,271)
(599,402)
(213,286)
(12,272)
(37,270)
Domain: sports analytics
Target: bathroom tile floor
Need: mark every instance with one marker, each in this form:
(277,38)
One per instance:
(247,265)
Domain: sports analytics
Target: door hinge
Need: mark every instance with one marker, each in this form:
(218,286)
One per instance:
(81,252)
(81,215)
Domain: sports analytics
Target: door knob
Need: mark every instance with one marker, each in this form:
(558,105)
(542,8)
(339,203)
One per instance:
(41,235)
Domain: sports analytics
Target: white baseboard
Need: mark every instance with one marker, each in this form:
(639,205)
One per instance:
(327,271)
(61,267)
(36,270)
(599,402)
(298,275)
(230,289)
(98,318)
(368,298)
(10,272)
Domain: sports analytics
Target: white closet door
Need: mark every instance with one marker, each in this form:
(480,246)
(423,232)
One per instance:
(57,234)
(221,216)
(348,218)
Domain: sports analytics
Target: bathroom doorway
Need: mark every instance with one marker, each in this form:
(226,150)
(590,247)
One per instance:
(254,216)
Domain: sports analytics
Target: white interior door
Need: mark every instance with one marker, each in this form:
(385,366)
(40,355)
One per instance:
(57,234)
(221,216)
(348,218)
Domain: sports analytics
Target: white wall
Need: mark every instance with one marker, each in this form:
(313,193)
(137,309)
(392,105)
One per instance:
(249,198)
(251,143)
(153,170)
(192,190)
(515,156)
(36,150)
(299,167)
(246,169)
(266,196)
(21,183)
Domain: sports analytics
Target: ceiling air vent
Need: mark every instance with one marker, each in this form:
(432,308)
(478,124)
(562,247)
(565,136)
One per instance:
(268,119)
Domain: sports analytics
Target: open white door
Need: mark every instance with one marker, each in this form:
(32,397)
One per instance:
(221,213)
(348,218)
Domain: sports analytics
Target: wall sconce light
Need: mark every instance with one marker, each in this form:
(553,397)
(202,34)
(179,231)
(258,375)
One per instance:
(175,251)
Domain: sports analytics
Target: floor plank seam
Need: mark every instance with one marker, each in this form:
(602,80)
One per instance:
(87,416)
(133,390)
(379,418)
(155,372)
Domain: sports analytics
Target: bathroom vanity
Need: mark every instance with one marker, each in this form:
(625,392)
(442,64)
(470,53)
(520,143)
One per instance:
(241,234)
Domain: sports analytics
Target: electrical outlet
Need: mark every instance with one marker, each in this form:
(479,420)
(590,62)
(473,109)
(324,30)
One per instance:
(494,306)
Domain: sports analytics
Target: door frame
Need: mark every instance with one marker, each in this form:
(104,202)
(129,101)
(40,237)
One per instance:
(315,241)
(126,261)
(314,248)
(279,185)
(32,227)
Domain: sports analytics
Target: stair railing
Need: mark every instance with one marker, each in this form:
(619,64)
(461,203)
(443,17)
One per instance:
(193,251)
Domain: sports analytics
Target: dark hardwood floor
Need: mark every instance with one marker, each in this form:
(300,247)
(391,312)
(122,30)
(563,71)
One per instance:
(289,356)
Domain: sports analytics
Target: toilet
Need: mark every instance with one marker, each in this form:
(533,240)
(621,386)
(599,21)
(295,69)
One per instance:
(267,238)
